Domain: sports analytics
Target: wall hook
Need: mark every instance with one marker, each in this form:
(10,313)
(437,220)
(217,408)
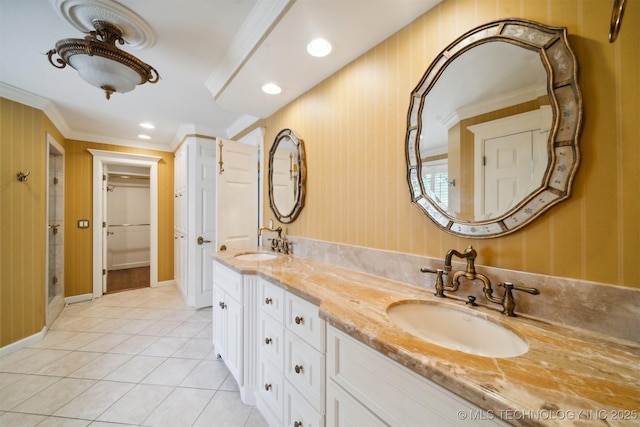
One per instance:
(23,176)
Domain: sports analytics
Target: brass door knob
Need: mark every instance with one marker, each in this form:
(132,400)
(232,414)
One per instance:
(201,240)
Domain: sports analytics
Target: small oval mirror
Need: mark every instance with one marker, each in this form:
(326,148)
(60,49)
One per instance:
(287,176)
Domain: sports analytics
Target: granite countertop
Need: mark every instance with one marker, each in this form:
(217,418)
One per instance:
(569,376)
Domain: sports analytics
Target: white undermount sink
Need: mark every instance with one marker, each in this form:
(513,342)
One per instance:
(461,330)
(256,256)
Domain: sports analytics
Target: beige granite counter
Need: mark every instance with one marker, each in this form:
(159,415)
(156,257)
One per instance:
(568,377)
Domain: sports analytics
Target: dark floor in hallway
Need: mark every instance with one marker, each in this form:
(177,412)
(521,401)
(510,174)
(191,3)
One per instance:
(129,278)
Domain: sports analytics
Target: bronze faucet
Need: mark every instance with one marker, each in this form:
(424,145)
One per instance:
(453,281)
(279,244)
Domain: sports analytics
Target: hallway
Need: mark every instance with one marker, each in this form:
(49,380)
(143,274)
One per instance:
(139,357)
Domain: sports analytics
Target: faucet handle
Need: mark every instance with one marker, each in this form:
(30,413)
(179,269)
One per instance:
(439,282)
(508,303)
(509,285)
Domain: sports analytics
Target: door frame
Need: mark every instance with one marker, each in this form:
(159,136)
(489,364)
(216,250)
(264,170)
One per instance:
(100,159)
(53,309)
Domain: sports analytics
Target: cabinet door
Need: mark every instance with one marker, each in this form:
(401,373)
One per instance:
(219,322)
(343,410)
(234,345)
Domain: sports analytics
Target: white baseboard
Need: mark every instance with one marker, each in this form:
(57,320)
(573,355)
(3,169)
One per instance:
(7,349)
(78,298)
(165,283)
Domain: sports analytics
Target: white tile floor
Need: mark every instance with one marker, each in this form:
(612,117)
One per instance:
(138,357)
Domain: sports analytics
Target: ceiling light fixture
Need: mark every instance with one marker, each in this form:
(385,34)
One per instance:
(147,125)
(100,63)
(143,136)
(271,89)
(319,47)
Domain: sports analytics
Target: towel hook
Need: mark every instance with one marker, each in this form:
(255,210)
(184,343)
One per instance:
(23,176)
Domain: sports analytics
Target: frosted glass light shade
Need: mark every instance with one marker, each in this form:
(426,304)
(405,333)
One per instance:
(101,72)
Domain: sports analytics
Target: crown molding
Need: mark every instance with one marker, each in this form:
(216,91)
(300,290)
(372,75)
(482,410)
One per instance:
(32,100)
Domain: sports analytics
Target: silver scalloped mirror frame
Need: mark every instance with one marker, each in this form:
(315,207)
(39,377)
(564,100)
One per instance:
(564,156)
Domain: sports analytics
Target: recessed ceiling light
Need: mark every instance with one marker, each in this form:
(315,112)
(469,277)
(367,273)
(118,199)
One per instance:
(147,125)
(143,136)
(271,89)
(319,47)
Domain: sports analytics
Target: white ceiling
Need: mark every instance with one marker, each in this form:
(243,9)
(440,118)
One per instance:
(213,56)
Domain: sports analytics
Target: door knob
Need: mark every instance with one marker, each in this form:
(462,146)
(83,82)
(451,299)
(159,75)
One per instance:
(201,240)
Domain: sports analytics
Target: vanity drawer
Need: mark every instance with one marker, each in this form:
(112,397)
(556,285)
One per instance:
(299,412)
(228,280)
(271,300)
(303,319)
(271,340)
(304,367)
(271,390)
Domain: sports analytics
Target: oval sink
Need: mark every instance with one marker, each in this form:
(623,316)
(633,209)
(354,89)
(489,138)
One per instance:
(256,256)
(455,329)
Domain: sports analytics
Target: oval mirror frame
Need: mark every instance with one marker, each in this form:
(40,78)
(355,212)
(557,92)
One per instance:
(563,152)
(297,173)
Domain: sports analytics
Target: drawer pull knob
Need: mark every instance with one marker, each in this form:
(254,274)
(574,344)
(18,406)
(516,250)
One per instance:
(267,387)
(267,340)
(222,305)
(299,320)
(298,369)
(268,301)
(297,424)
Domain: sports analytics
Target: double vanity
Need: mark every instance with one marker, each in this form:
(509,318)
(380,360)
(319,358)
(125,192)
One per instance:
(313,344)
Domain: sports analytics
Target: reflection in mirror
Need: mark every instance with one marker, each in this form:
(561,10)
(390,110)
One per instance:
(493,128)
(485,126)
(287,176)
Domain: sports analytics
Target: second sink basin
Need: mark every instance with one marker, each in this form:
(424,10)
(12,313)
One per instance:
(460,330)
(256,256)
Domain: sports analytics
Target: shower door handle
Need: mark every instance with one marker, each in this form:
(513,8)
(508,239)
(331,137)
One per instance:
(201,240)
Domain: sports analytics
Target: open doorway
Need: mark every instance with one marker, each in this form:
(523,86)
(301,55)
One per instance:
(103,162)
(128,227)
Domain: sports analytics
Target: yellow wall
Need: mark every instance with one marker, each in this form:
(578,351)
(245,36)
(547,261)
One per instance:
(79,205)
(23,146)
(353,125)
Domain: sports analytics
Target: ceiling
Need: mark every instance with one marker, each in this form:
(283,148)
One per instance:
(213,57)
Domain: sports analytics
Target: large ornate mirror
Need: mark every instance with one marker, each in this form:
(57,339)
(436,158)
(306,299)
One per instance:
(287,176)
(492,137)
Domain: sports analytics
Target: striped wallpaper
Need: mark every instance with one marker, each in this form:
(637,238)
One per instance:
(353,125)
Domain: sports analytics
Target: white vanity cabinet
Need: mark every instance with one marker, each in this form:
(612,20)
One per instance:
(235,327)
(228,325)
(292,359)
(364,387)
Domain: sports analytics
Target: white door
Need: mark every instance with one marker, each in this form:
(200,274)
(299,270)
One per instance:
(507,172)
(226,206)
(205,221)
(237,225)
